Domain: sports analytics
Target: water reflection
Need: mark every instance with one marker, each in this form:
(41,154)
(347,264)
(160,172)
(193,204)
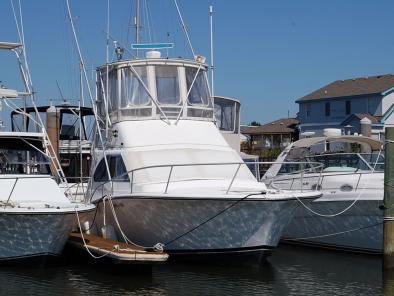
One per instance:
(290,271)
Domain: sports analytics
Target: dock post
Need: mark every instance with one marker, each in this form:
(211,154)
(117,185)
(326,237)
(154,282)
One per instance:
(388,201)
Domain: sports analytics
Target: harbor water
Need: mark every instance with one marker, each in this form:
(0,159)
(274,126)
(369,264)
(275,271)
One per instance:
(289,271)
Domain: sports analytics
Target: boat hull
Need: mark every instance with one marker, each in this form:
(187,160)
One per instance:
(29,236)
(359,229)
(187,226)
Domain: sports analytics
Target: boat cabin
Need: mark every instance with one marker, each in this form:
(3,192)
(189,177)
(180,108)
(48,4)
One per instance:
(70,130)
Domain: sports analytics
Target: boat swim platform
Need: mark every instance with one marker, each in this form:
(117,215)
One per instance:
(117,252)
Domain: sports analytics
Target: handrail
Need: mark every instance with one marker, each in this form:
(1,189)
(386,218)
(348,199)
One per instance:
(172,166)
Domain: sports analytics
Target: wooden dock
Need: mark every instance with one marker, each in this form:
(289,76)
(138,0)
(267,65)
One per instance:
(118,252)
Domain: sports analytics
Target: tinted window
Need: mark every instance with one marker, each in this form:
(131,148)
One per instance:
(116,168)
(100,173)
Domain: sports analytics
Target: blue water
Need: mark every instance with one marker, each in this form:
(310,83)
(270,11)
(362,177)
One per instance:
(289,271)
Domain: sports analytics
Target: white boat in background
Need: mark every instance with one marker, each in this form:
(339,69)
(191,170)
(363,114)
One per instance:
(70,130)
(348,216)
(35,215)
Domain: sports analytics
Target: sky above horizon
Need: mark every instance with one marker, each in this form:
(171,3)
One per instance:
(267,53)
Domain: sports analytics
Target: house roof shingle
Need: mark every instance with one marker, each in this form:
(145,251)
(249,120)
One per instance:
(352,87)
(280,126)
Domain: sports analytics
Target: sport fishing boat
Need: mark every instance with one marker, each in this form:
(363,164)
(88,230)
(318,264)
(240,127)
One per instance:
(35,215)
(348,216)
(167,175)
(162,171)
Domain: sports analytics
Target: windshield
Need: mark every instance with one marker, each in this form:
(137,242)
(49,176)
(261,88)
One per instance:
(23,162)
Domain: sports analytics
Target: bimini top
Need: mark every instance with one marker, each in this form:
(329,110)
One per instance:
(154,88)
(70,109)
(21,141)
(308,142)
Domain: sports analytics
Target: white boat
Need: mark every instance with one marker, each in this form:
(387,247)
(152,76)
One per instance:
(35,215)
(348,216)
(174,179)
(70,130)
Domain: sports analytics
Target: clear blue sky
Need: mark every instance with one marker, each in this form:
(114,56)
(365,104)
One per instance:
(267,53)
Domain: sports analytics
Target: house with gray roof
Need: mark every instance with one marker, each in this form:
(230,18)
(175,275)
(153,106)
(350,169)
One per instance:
(344,103)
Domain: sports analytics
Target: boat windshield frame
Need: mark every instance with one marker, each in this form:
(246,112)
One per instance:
(129,81)
(23,156)
(342,157)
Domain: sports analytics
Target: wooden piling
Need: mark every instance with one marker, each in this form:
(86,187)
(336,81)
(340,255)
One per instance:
(388,224)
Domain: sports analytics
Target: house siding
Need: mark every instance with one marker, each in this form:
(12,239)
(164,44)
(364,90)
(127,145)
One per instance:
(317,119)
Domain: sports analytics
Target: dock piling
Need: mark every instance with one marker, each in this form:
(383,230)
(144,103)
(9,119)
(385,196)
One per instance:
(388,200)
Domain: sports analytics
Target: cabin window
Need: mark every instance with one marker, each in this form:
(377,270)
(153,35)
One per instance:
(69,127)
(117,169)
(100,174)
(327,109)
(112,90)
(133,92)
(348,107)
(16,159)
(167,85)
(199,94)
(225,114)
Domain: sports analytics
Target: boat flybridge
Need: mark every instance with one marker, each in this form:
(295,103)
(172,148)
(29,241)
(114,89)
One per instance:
(165,174)
(348,215)
(35,215)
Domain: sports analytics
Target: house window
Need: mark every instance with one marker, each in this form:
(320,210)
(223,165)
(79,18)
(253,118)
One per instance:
(308,110)
(328,109)
(348,107)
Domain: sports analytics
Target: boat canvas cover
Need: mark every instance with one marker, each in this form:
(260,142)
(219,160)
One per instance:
(309,142)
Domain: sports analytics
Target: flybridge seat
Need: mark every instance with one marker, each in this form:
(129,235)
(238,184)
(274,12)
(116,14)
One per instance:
(154,88)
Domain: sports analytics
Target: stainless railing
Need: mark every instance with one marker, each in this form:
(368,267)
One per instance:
(315,168)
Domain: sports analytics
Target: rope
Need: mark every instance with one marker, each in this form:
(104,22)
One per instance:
(348,207)
(158,246)
(85,245)
(336,233)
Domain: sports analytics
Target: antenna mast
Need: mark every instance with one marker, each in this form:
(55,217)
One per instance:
(137,23)
(211,29)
